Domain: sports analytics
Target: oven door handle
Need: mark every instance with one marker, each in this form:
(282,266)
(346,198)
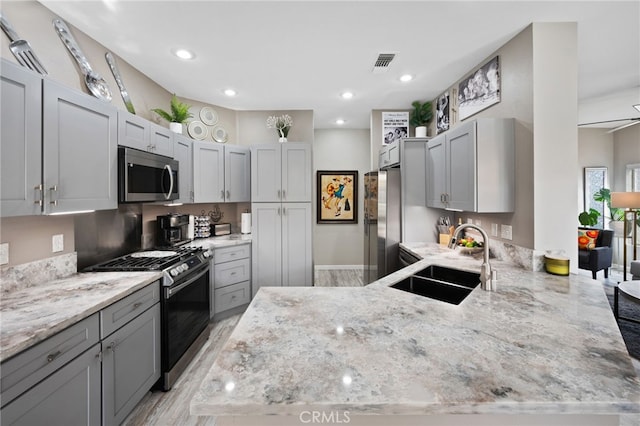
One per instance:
(171,291)
(168,168)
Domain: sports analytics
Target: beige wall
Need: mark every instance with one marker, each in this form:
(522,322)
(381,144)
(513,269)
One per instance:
(252,127)
(595,149)
(626,151)
(340,149)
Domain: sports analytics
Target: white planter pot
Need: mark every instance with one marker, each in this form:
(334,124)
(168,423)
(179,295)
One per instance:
(421,132)
(175,127)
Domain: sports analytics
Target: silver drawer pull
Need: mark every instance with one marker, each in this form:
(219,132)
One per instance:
(233,273)
(112,346)
(137,305)
(53,356)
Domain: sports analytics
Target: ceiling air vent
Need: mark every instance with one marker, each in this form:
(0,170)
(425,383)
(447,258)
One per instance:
(383,62)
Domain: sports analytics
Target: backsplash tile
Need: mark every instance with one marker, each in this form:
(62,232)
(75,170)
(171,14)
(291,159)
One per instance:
(40,271)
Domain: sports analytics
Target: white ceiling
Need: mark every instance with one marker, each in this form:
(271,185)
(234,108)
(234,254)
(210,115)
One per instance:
(302,54)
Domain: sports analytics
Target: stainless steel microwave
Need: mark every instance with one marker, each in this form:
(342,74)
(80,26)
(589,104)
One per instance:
(144,177)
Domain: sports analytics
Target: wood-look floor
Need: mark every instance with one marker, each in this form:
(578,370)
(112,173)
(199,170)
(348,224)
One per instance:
(172,408)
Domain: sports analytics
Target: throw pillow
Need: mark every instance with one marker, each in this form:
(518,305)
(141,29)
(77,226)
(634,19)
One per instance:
(587,238)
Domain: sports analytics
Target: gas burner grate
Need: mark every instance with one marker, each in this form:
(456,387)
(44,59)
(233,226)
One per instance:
(141,263)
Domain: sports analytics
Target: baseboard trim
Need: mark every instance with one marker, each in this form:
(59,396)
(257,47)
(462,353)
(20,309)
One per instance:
(334,267)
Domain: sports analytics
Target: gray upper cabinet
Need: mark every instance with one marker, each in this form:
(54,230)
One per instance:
(281,173)
(79,150)
(136,132)
(389,155)
(21,135)
(221,173)
(182,151)
(472,167)
(237,173)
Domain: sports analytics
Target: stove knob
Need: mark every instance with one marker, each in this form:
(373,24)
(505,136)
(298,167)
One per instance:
(174,272)
(206,253)
(185,267)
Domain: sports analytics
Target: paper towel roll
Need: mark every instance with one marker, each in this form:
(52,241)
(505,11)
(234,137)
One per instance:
(245,223)
(191,228)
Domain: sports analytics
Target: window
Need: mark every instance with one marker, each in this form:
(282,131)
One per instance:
(633,178)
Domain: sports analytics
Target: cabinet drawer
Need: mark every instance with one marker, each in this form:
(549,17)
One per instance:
(115,316)
(232,272)
(227,254)
(31,366)
(231,296)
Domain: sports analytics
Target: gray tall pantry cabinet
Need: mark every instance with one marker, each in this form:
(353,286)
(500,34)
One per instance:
(281,195)
(59,147)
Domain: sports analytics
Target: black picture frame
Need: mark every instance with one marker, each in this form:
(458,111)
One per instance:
(480,89)
(337,197)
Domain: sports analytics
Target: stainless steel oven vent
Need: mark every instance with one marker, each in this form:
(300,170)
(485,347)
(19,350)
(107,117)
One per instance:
(382,63)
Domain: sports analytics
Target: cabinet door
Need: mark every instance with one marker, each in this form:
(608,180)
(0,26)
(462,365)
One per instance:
(461,172)
(266,245)
(182,152)
(296,244)
(131,365)
(70,396)
(133,131)
(296,172)
(266,173)
(80,151)
(21,135)
(208,172)
(436,177)
(237,173)
(161,140)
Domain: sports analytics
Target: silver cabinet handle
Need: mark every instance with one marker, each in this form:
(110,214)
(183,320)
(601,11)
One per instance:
(284,211)
(222,194)
(228,195)
(279,212)
(112,346)
(278,194)
(53,356)
(53,189)
(137,305)
(39,199)
(284,195)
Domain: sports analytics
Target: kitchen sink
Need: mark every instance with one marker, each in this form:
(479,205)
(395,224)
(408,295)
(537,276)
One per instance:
(440,283)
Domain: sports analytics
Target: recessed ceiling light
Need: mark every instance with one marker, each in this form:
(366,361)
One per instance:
(347,95)
(406,77)
(637,106)
(230,92)
(184,54)
(340,121)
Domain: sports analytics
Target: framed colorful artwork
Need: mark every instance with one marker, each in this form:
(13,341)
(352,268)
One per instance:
(337,196)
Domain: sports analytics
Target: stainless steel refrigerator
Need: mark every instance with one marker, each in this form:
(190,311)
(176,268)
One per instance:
(381,223)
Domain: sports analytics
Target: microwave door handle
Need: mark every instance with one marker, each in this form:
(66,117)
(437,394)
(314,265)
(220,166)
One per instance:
(168,168)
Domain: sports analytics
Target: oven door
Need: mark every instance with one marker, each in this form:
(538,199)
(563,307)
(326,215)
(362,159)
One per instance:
(185,314)
(143,176)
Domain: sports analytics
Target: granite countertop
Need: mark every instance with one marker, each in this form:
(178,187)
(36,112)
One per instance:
(32,314)
(222,241)
(540,344)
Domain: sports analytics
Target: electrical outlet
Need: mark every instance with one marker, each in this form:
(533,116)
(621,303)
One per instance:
(494,229)
(4,253)
(478,222)
(57,243)
(469,220)
(506,232)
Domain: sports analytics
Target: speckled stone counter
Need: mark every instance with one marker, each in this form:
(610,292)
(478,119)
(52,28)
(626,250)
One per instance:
(540,344)
(32,314)
(222,241)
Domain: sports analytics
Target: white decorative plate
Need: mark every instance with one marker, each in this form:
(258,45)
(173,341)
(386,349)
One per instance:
(197,130)
(208,116)
(219,134)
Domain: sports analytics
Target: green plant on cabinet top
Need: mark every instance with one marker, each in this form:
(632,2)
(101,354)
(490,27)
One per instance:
(179,111)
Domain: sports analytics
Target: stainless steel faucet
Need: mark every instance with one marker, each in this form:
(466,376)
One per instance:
(487,276)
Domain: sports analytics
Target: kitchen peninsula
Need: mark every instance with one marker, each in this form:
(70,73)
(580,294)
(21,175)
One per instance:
(543,346)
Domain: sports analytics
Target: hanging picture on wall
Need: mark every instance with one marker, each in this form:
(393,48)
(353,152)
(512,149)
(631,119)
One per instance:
(337,196)
(442,112)
(480,89)
(395,126)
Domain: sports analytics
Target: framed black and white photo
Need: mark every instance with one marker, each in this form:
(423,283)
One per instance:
(395,126)
(480,89)
(443,110)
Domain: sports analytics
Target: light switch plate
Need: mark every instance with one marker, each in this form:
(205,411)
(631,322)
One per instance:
(506,232)
(469,220)
(479,222)
(4,253)
(57,243)
(494,229)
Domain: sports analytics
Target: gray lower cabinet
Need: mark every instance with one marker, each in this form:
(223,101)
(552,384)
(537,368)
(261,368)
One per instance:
(70,396)
(93,372)
(231,278)
(130,365)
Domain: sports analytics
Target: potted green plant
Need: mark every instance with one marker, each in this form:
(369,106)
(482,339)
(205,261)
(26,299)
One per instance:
(589,218)
(420,117)
(616,214)
(179,114)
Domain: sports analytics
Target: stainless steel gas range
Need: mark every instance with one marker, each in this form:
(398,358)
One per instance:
(184,301)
